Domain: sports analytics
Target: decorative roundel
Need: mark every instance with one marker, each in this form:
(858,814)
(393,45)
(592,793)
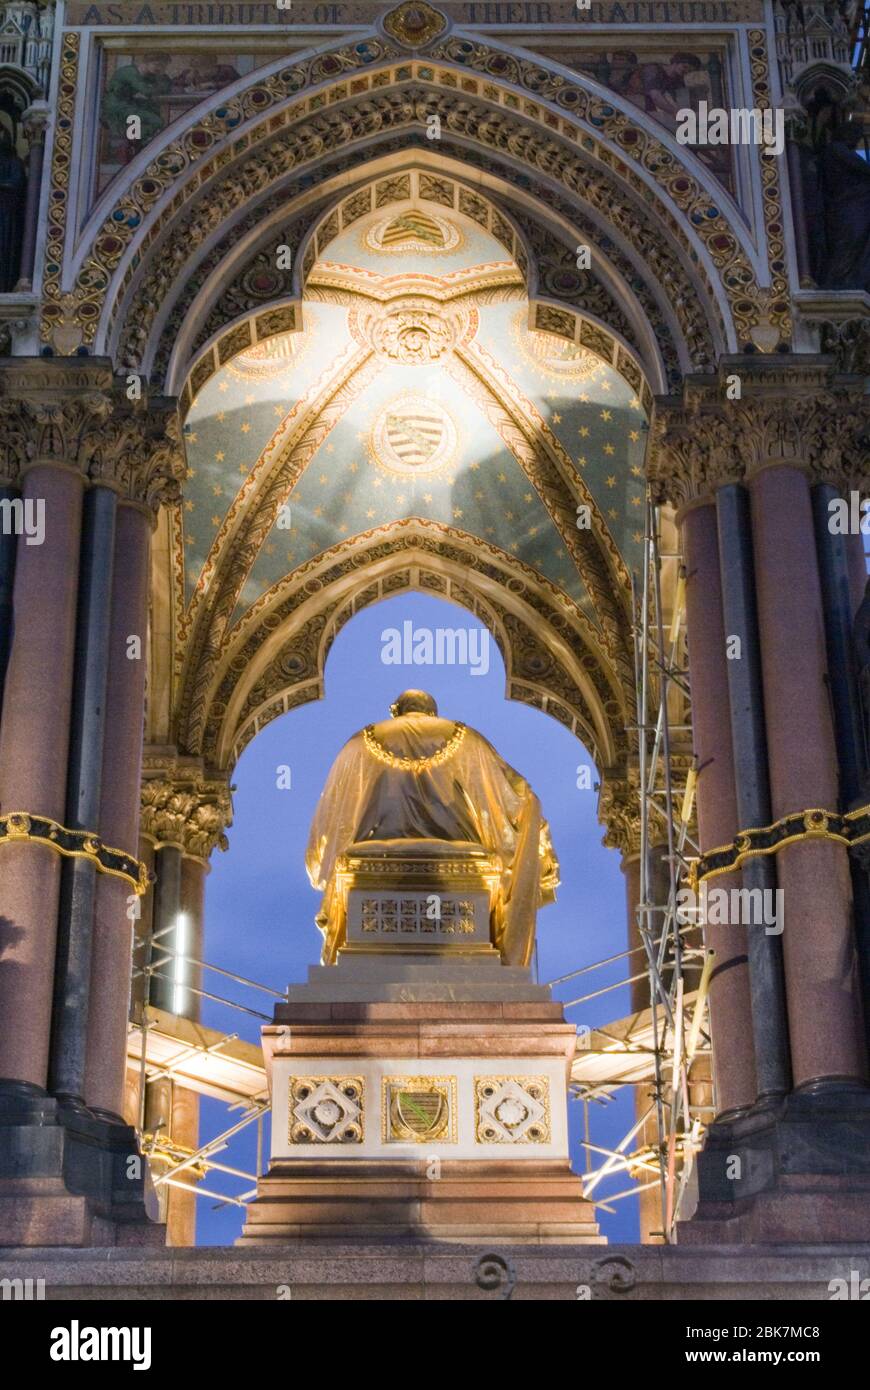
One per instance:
(551,355)
(413,436)
(412,230)
(269,358)
(412,330)
(263,282)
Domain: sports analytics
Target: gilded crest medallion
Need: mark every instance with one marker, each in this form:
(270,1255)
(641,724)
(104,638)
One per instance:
(413,230)
(413,436)
(414,24)
(419,1109)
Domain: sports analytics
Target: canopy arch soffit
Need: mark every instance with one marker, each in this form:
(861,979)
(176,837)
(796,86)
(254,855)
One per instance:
(662,253)
(596,309)
(215,152)
(524,431)
(275,659)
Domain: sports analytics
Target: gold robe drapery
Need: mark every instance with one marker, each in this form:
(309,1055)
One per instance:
(456,789)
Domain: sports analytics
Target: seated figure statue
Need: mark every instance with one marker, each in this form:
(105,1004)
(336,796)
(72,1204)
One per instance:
(417,805)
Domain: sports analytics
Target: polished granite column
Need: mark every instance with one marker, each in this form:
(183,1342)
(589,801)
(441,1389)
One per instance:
(65,1175)
(730,1000)
(116,902)
(796,1165)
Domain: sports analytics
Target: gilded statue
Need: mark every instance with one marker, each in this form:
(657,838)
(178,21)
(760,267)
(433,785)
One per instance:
(418,784)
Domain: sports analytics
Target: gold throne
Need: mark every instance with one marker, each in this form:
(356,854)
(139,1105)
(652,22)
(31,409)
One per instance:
(420,896)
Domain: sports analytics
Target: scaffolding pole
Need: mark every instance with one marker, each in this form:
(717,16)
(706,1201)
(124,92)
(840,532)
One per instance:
(668,947)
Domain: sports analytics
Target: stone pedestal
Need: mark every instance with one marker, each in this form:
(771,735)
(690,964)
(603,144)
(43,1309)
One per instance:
(420,1096)
(71,1179)
(796,1171)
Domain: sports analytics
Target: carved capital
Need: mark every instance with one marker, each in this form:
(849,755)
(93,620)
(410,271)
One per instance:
(692,452)
(619,813)
(72,413)
(187,808)
(139,451)
(49,408)
(757,412)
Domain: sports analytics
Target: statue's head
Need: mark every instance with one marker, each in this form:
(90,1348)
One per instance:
(413,702)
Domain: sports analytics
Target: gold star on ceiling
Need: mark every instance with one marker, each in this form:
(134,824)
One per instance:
(606,414)
(215,521)
(611,481)
(608,449)
(583,431)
